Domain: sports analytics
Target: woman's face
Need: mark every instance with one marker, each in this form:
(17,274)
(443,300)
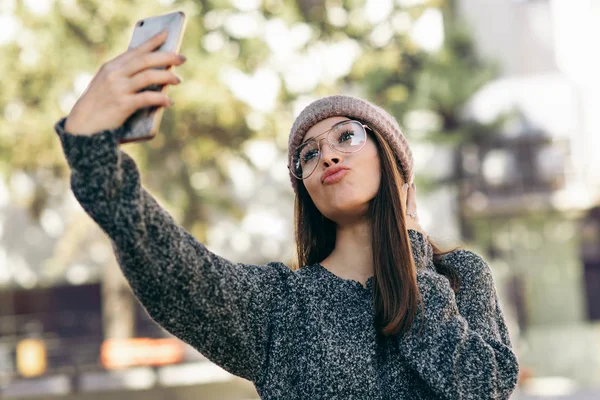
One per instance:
(347,198)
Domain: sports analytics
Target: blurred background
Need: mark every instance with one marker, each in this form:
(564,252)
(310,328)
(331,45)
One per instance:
(499,100)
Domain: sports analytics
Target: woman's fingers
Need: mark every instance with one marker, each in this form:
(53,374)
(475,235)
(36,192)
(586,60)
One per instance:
(411,202)
(149,98)
(144,56)
(149,77)
(412,218)
(409,197)
(151,60)
(112,95)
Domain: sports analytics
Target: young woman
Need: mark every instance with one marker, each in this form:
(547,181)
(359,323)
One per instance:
(374,310)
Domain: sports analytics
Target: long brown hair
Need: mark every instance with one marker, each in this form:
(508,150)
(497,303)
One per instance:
(395,291)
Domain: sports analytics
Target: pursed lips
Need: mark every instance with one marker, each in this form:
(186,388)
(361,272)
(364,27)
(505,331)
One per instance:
(333,174)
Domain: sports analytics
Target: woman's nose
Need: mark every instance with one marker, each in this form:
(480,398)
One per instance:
(328,155)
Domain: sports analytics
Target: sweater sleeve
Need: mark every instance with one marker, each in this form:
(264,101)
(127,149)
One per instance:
(460,356)
(219,307)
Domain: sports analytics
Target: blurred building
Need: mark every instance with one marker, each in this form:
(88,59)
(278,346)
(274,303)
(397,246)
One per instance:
(530,193)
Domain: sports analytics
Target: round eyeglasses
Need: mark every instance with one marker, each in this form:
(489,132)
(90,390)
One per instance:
(345,137)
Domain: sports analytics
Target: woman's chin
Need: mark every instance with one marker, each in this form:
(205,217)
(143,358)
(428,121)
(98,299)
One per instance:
(347,212)
(345,203)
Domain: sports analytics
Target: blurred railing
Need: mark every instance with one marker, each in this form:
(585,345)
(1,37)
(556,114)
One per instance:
(513,175)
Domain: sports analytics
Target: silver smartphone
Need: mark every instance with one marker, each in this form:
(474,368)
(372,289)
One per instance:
(143,124)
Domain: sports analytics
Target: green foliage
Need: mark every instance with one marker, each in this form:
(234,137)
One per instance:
(449,79)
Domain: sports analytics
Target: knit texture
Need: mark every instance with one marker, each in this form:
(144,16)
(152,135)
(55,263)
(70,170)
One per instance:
(304,334)
(372,115)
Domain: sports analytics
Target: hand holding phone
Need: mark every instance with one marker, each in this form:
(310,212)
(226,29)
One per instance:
(143,124)
(120,89)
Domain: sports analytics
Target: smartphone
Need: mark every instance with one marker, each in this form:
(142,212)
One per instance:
(143,124)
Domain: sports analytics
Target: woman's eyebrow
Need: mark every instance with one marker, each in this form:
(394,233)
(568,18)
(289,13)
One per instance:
(308,140)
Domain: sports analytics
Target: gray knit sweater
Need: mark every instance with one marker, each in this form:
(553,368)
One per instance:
(304,334)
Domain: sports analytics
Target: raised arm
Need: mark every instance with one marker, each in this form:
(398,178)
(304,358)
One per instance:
(221,308)
(460,356)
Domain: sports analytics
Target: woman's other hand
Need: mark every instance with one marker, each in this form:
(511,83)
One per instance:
(114,92)
(409,194)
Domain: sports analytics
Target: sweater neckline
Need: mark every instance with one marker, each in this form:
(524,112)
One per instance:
(349,282)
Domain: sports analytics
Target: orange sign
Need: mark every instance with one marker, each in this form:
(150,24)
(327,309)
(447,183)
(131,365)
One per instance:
(122,353)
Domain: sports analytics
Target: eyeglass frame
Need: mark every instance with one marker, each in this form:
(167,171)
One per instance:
(365,127)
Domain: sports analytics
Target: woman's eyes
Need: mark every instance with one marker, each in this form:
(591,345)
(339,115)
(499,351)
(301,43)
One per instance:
(346,135)
(309,155)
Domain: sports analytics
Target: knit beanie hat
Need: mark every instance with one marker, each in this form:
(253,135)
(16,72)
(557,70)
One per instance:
(346,106)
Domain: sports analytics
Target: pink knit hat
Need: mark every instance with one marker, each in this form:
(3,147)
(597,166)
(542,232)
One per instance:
(346,106)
